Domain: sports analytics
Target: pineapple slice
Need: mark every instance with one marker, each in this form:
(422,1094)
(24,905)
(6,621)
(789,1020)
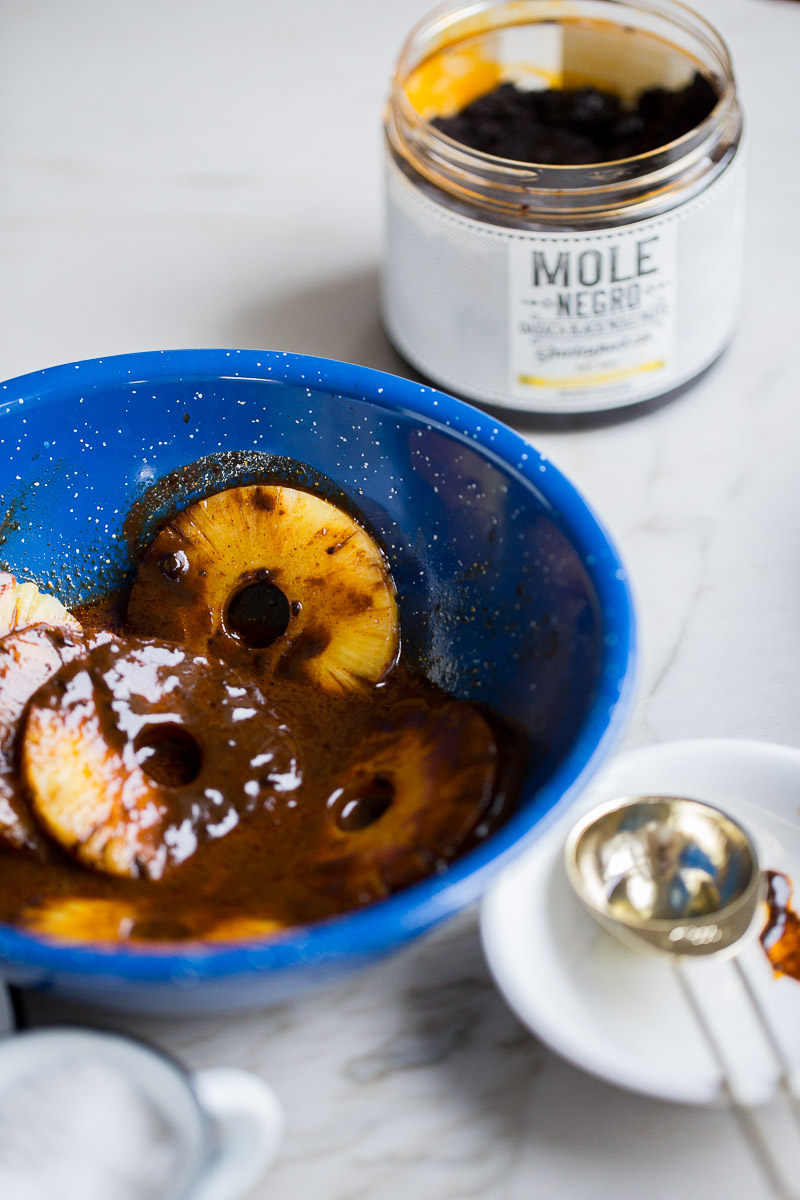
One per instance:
(22,604)
(79,919)
(275,578)
(138,752)
(92,919)
(237,929)
(82,793)
(412,798)
(29,657)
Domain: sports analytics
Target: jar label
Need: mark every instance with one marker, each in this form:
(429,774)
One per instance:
(562,322)
(592,314)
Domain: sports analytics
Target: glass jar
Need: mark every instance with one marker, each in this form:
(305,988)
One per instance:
(561,290)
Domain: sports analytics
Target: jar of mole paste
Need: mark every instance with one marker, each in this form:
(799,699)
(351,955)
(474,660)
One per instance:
(589,261)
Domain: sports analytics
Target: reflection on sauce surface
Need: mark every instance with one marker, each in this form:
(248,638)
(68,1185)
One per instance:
(780,936)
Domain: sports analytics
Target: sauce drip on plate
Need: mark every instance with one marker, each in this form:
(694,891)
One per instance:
(780,936)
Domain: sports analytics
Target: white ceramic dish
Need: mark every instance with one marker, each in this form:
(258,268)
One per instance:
(618,1014)
(225,1124)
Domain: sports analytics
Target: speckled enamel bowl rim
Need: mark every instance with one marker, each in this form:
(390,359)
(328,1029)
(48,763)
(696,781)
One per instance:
(367,932)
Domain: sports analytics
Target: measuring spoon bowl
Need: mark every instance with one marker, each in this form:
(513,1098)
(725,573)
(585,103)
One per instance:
(666,873)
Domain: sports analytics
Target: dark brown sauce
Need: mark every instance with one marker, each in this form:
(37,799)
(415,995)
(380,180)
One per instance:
(570,126)
(397,780)
(104,612)
(267,865)
(780,936)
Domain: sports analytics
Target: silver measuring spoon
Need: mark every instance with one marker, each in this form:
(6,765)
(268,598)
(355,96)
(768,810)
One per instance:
(677,877)
(667,874)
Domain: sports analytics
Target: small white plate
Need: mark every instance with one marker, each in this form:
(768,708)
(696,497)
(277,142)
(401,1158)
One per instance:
(623,1016)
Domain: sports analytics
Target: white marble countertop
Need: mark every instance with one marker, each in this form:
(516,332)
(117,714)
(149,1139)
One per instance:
(188,173)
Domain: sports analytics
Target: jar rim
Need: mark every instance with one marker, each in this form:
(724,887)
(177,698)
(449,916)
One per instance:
(455,166)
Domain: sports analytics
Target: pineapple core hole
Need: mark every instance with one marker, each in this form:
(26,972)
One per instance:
(168,754)
(363,810)
(258,615)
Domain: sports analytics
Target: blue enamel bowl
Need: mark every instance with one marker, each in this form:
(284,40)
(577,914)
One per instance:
(512,595)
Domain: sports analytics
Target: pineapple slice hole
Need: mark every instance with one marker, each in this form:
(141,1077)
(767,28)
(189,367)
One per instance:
(359,811)
(258,614)
(168,754)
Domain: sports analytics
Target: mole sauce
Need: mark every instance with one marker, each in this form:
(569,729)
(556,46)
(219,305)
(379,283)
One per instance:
(351,833)
(570,126)
(781,934)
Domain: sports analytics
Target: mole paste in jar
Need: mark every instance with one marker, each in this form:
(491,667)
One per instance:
(572,126)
